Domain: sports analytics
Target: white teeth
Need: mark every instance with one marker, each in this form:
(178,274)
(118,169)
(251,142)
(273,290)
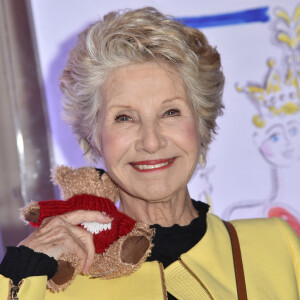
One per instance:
(107,226)
(149,167)
(95,227)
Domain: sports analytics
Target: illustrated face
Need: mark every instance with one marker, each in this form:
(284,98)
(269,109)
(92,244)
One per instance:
(148,132)
(280,144)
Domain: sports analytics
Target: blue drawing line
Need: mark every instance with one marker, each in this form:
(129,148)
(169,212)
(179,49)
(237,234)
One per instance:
(235,18)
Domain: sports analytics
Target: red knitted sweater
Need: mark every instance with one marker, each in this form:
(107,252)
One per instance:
(121,224)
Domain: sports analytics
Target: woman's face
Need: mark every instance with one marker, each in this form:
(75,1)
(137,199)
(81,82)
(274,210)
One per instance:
(148,132)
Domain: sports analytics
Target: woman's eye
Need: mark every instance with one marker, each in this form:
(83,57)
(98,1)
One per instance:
(122,118)
(172,112)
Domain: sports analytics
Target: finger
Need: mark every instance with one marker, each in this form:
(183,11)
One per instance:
(78,216)
(64,240)
(57,241)
(59,229)
(77,248)
(86,240)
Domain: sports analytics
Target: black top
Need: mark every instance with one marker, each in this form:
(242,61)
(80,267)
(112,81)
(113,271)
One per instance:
(22,262)
(169,243)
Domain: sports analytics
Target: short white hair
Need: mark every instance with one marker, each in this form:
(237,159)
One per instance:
(139,36)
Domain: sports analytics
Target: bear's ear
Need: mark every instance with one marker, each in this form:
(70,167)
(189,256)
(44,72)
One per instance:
(58,174)
(109,189)
(30,213)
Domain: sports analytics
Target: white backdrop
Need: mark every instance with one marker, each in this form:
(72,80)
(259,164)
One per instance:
(251,171)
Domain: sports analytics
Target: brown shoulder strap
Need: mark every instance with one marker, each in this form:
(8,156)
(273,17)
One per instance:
(238,263)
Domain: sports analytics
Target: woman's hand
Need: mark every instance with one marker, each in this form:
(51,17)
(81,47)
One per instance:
(59,235)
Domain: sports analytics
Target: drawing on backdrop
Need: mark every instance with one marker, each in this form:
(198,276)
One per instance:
(277,122)
(202,175)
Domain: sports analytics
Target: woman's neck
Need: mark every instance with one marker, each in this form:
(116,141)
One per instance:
(178,209)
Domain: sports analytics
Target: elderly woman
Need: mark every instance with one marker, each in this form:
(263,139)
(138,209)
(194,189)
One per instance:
(143,92)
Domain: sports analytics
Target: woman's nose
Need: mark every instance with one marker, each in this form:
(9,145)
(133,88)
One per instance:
(151,138)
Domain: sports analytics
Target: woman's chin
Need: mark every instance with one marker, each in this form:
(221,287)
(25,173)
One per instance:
(160,193)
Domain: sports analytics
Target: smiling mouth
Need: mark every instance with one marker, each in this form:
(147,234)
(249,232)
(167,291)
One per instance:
(152,165)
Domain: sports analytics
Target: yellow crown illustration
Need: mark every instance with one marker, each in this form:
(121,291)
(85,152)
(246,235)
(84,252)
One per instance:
(279,95)
(276,98)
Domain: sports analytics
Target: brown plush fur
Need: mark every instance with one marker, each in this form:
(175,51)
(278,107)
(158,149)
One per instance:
(84,180)
(123,257)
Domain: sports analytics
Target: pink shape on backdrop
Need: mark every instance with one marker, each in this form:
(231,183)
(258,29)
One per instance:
(285,215)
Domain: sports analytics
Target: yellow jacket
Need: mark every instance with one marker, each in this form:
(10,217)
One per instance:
(271,259)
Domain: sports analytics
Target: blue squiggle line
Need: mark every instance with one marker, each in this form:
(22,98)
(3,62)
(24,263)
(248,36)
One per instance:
(235,18)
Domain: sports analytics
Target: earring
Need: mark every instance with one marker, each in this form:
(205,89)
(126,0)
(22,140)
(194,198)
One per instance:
(202,161)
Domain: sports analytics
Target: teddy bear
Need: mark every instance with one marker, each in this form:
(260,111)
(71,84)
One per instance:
(121,246)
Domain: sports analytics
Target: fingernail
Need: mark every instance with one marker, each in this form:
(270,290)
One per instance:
(85,270)
(106,218)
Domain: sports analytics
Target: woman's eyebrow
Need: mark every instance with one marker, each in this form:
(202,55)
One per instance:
(173,99)
(124,106)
